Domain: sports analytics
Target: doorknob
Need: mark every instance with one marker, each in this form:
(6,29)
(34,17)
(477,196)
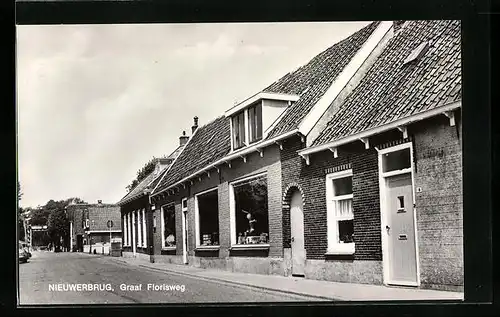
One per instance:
(387,228)
(293,239)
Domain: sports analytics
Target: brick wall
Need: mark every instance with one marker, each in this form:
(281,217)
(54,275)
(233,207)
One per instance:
(255,164)
(312,179)
(100,214)
(291,166)
(439,204)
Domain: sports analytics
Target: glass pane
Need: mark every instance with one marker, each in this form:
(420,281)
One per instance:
(251,122)
(258,114)
(252,223)
(241,127)
(342,186)
(343,208)
(208,209)
(255,122)
(346,231)
(397,160)
(169,230)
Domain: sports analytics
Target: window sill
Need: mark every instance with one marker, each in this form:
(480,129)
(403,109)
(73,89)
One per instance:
(340,252)
(169,248)
(250,247)
(207,248)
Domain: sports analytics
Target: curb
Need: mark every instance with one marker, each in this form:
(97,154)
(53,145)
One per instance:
(323,298)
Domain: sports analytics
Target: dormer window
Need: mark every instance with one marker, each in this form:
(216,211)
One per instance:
(239,136)
(252,119)
(255,122)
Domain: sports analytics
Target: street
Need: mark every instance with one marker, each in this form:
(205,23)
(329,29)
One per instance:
(78,278)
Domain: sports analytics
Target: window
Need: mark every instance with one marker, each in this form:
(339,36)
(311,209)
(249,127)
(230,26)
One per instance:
(397,160)
(168,225)
(255,122)
(250,211)
(184,204)
(339,212)
(238,124)
(154,223)
(207,209)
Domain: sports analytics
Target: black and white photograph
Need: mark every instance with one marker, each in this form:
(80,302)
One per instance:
(163,163)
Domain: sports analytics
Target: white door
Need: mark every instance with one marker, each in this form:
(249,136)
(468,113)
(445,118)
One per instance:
(297,232)
(401,231)
(184,237)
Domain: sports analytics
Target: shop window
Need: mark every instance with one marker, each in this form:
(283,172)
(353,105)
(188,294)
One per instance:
(397,160)
(168,225)
(208,218)
(251,211)
(339,212)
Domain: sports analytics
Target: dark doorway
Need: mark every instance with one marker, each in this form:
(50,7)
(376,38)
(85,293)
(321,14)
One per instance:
(79,243)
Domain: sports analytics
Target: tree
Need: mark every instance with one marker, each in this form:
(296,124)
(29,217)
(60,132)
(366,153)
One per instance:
(58,226)
(147,169)
(19,192)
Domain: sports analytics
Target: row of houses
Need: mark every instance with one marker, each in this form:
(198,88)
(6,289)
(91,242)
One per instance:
(347,169)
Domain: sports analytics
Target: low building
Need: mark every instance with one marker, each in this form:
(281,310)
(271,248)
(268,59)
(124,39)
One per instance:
(347,169)
(220,203)
(377,197)
(89,229)
(136,213)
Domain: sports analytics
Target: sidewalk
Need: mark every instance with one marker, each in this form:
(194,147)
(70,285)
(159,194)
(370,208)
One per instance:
(322,290)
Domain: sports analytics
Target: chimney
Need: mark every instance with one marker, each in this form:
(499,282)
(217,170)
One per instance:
(183,138)
(195,126)
(99,201)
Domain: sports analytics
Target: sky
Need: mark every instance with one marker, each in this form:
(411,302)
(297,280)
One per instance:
(96,102)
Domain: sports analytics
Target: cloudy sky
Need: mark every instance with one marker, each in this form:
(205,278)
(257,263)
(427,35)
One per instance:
(96,102)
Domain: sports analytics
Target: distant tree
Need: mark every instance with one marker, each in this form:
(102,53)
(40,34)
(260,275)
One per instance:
(147,169)
(58,226)
(19,192)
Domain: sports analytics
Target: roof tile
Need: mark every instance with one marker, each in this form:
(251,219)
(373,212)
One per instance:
(390,91)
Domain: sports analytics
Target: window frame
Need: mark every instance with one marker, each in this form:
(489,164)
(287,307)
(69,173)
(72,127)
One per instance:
(391,150)
(197,217)
(162,222)
(251,138)
(247,140)
(243,142)
(232,211)
(333,245)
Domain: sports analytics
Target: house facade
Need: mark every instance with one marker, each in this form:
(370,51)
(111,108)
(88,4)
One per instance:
(136,213)
(89,229)
(347,169)
(380,187)
(221,201)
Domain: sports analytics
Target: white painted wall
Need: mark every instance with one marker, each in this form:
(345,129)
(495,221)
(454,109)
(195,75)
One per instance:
(271,110)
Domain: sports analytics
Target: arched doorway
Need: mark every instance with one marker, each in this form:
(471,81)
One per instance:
(297,234)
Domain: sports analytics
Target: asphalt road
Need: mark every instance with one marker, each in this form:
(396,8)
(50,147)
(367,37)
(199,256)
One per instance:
(70,269)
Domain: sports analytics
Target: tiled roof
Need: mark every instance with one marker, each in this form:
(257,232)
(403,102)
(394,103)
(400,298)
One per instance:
(312,80)
(151,179)
(208,144)
(391,90)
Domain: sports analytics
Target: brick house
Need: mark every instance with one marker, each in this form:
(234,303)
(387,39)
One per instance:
(221,201)
(379,186)
(88,226)
(136,214)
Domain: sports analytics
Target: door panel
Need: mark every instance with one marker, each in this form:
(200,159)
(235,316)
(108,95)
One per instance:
(297,232)
(401,230)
